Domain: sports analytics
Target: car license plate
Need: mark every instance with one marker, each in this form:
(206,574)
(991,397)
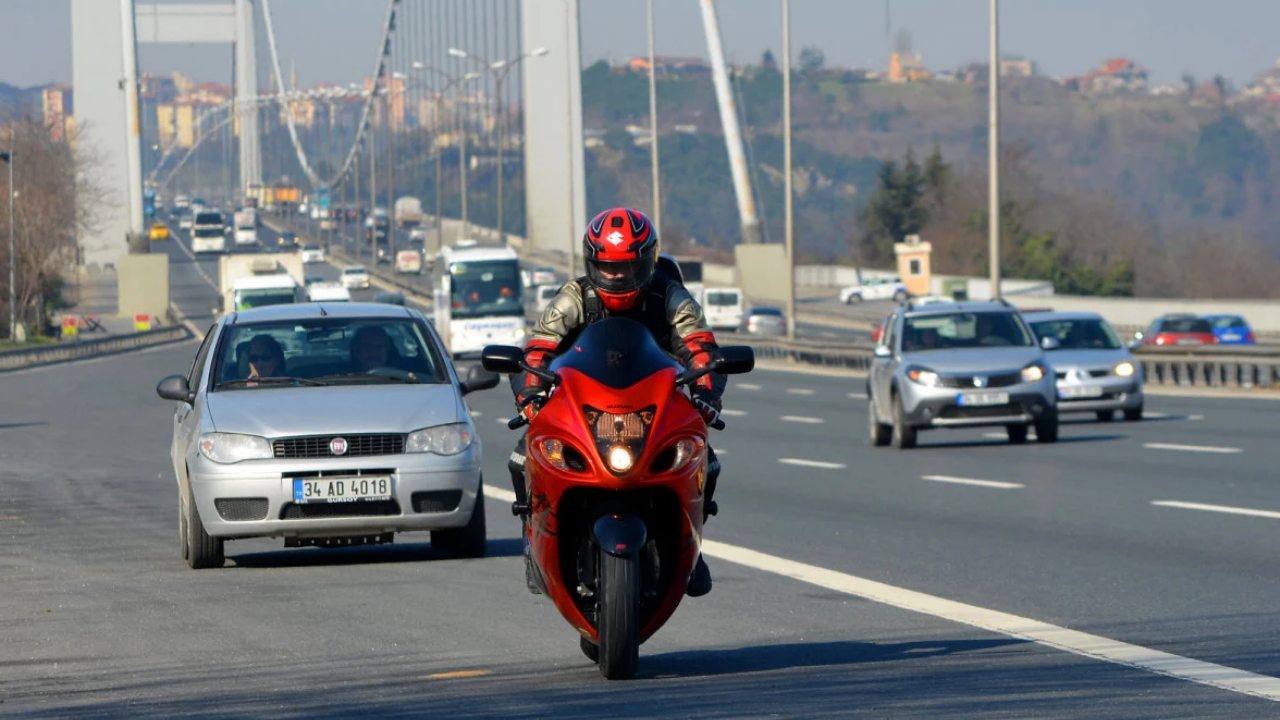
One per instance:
(342,489)
(1189,341)
(1073,393)
(1230,336)
(989,397)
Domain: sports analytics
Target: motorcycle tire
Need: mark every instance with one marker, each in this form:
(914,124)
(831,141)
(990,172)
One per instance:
(590,649)
(619,616)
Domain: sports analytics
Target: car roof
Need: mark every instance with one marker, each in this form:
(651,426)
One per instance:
(1051,316)
(355,269)
(766,309)
(1215,316)
(959,307)
(308,311)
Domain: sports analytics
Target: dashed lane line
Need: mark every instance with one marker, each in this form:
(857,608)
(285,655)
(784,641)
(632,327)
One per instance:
(1217,508)
(971,481)
(1075,642)
(799,391)
(801,462)
(733,413)
(1192,448)
(745,386)
(802,419)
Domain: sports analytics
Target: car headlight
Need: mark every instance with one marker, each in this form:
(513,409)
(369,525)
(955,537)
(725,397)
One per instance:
(440,440)
(925,377)
(229,448)
(1033,372)
(1125,369)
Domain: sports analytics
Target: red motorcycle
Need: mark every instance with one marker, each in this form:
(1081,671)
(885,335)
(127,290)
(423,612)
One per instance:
(616,463)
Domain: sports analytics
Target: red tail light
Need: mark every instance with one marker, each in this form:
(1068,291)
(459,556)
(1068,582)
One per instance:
(1250,338)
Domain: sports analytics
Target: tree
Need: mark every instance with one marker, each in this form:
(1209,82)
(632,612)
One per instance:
(895,209)
(1189,81)
(1220,84)
(811,58)
(937,174)
(767,61)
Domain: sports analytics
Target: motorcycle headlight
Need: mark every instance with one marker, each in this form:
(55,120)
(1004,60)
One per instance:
(619,438)
(440,440)
(620,459)
(553,451)
(1125,369)
(1033,372)
(924,376)
(227,448)
(686,450)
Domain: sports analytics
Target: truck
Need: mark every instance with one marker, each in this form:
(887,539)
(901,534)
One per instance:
(409,262)
(408,211)
(249,281)
(246,227)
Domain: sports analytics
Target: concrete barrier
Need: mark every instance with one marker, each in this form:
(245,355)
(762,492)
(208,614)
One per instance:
(1130,314)
(67,351)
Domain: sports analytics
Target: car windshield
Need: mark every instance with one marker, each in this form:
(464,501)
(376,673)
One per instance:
(1229,323)
(960,330)
(327,351)
(616,352)
(209,219)
(483,288)
(355,271)
(1083,334)
(774,312)
(311,247)
(1186,325)
(720,299)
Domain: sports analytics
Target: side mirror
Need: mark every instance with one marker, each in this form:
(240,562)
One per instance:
(735,360)
(882,351)
(1134,344)
(479,379)
(502,359)
(175,387)
(1050,343)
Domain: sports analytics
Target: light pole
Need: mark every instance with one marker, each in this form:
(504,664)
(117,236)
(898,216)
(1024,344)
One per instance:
(439,98)
(7,157)
(786,161)
(993,154)
(653,128)
(499,72)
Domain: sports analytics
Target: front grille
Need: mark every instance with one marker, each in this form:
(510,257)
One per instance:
(315,511)
(1092,374)
(241,509)
(436,501)
(966,381)
(318,446)
(973,413)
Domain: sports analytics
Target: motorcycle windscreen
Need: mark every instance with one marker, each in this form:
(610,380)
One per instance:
(616,353)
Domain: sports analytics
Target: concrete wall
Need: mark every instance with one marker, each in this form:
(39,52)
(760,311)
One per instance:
(1263,315)
(760,273)
(553,126)
(144,285)
(98,71)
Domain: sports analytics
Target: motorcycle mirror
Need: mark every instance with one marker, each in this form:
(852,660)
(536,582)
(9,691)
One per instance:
(502,359)
(735,360)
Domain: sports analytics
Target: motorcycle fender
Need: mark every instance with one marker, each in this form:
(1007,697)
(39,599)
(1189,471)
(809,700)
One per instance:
(620,535)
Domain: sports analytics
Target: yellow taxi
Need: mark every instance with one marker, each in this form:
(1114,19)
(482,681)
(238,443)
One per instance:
(159,232)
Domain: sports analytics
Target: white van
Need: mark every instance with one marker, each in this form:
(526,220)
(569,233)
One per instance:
(545,294)
(723,307)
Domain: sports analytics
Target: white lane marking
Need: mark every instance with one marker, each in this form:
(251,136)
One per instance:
(1155,415)
(1218,508)
(1072,641)
(802,419)
(799,391)
(811,463)
(1195,417)
(858,396)
(733,413)
(745,386)
(500,421)
(477,413)
(195,263)
(828,334)
(1191,448)
(1060,638)
(970,481)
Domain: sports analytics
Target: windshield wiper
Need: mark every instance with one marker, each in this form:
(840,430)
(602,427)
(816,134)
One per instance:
(366,377)
(249,382)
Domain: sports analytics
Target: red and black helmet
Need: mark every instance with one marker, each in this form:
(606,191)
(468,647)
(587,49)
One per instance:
(620,249)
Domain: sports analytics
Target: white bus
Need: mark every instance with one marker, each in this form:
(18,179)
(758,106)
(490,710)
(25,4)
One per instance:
(209,234)
(478,298)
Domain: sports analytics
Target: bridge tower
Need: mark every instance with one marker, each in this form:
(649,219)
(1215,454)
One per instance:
(104,76)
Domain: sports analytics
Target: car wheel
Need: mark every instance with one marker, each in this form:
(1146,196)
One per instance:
(468,541)
(1133,414)
(1047,429)
(1106,415)
(903,435)
(880,433)
(184,546)
(203,550)
(854,298)
(1017,433)
(900,296)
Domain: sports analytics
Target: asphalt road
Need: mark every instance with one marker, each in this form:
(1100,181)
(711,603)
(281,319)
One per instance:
(102,618)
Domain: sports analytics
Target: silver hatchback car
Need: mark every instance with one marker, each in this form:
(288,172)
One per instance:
(951,365)
(326,425)
(1094,371)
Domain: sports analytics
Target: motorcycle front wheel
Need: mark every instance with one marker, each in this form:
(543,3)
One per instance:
(619,616)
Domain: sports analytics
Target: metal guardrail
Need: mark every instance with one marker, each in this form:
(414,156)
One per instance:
(74,350)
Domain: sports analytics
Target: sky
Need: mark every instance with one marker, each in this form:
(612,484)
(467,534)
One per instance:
(334,40)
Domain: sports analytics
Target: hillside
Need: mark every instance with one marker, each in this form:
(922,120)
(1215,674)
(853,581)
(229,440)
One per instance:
(1168,176)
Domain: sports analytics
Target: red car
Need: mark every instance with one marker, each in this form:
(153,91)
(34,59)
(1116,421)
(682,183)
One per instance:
(1170,330)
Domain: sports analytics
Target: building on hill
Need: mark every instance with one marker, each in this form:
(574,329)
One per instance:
(1017,67)
(1116,75)
(906,68)
(57,105)
(669,65)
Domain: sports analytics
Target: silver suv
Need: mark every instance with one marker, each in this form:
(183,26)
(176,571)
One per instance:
(967,364)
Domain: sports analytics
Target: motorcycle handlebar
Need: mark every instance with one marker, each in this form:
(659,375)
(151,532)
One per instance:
(718,424)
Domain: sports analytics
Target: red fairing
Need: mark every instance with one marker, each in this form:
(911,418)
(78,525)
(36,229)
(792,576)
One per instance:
(563,500)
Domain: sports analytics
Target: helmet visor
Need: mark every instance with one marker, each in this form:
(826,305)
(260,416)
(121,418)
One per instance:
(620,276)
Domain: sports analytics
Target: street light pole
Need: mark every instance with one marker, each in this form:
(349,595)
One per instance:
(439,100)
(13,295)
(786,161)
(653,129)
(993,154)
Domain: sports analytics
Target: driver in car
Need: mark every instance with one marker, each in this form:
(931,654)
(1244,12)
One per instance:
(624,279)
(371,350)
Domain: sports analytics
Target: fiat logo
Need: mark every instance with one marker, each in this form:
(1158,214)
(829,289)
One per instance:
(979,381)
(338,446)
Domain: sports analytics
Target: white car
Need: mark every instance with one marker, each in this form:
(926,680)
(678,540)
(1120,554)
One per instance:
(355,276)
(877,289)
(185,222)
(312,254)
(723,307)
(328,292)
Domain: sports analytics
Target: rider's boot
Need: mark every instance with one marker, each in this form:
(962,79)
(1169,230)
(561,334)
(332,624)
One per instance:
(700,580)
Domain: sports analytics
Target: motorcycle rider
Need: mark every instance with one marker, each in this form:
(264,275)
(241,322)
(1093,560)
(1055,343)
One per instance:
(624,279)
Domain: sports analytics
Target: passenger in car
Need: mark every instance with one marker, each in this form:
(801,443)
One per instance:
(266,357)
(370,349)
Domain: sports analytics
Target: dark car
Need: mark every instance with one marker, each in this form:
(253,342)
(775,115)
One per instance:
(288,240)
